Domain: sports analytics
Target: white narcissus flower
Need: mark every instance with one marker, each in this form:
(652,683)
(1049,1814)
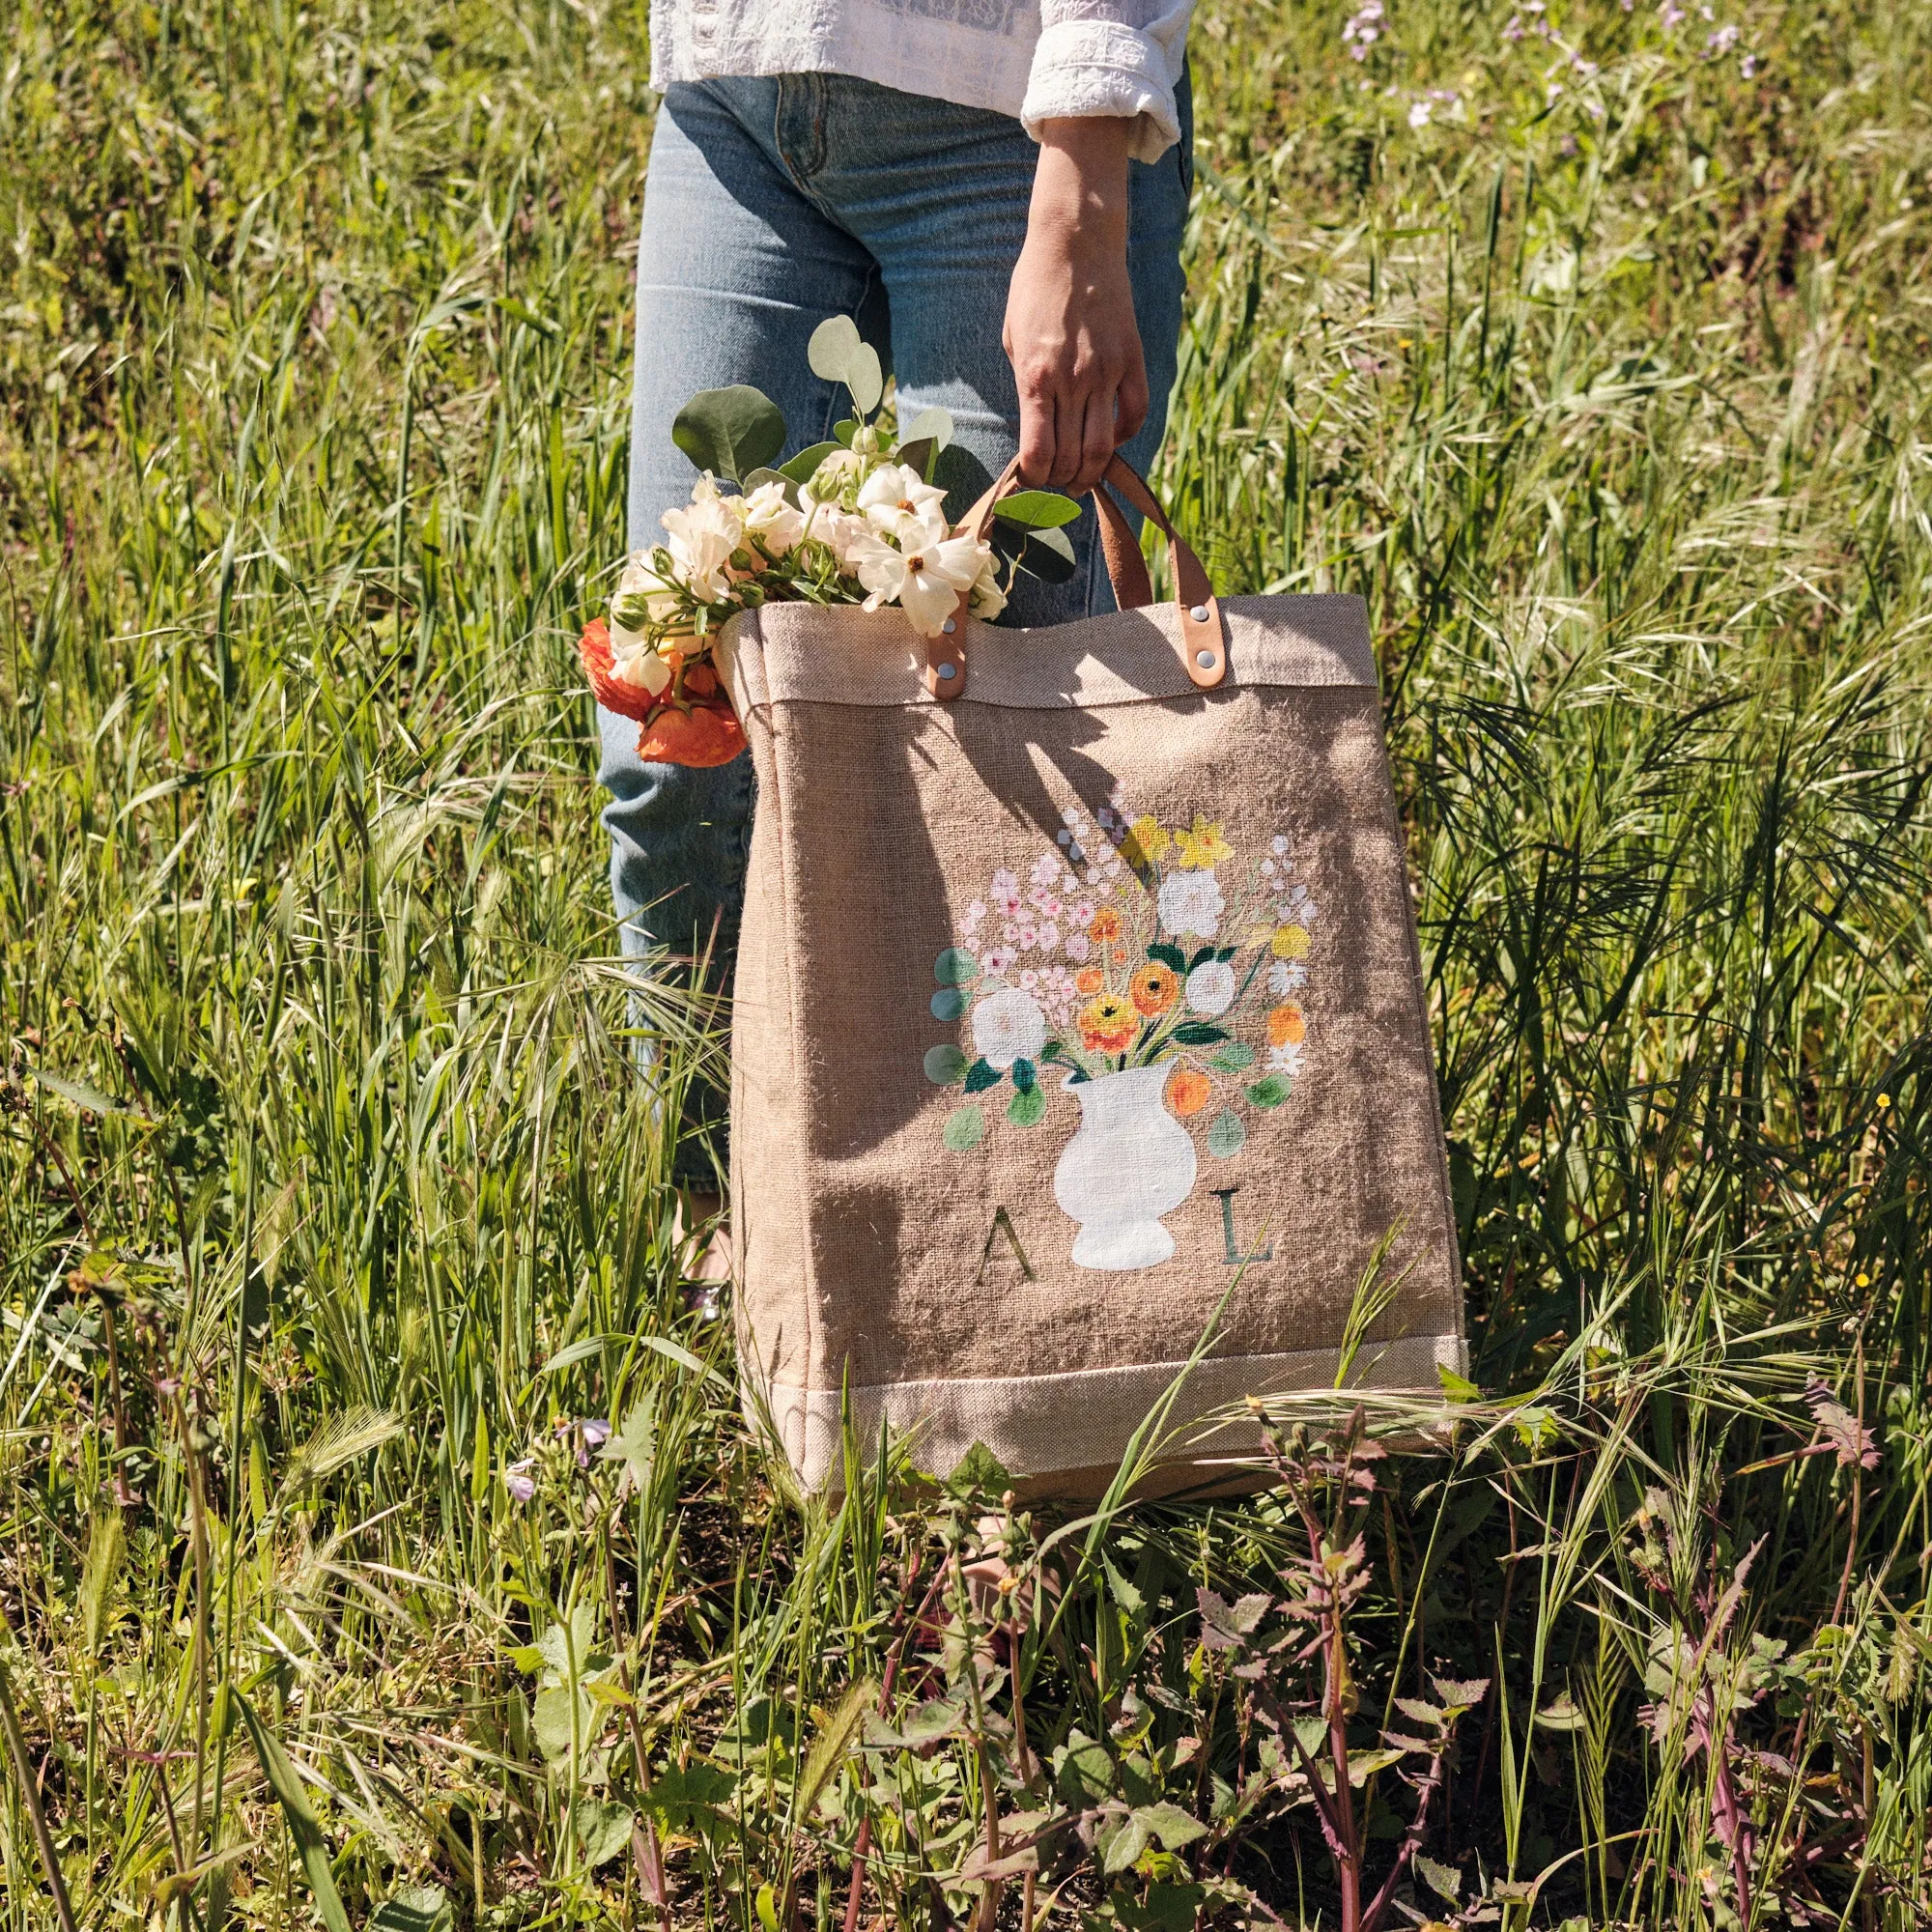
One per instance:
(771,520)
(703,534)
(1008,1026)
(1211,988)
(926,581)
(900,503)
(1191,902)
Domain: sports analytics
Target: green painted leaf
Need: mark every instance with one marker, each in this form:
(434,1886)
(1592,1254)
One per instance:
(1198,1032)
(730,432)
(1269,1092)
(948,1004)
(804,467)
(1199,956)
(981,1075)
(956,967)
(1226,1136)
(1232,1057)
(1037,509)
(965,1128)
(1027,1108)
(1025,1077)
(1168,955)
(945,1064)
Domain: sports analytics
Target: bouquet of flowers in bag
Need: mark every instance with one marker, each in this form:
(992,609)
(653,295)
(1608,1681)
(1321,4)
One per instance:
(854,520)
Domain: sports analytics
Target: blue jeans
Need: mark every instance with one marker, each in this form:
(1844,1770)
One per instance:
(771,202)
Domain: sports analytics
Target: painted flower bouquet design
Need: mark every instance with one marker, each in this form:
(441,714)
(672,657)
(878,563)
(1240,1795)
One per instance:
(1153,974)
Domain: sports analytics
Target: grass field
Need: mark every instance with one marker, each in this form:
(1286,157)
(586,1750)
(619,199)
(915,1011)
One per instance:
(1594,347)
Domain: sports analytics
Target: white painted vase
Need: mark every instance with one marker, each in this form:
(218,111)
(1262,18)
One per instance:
(1130,1163)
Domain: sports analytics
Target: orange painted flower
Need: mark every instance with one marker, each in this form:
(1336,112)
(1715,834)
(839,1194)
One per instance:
(1108,1024)
(1188,1090)
(1154,988)
(1089,980)
(1286,1027)
(1104,925)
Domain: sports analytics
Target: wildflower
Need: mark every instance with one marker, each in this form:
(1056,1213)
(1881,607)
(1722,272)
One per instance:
(518,1481)
(1008,1026)
(1722,40)
(1155,988)
(1418,113)
(1749,66)
(1513,28)
(1108,1024)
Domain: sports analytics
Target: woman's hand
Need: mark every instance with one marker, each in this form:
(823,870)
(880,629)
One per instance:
(1070,334)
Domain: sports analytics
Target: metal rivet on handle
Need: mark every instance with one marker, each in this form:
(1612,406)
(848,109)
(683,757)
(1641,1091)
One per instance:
(948,673)
(1198,613)
(948,627)
(1204,659)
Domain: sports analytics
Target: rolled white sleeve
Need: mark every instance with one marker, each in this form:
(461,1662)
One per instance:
(1118,58)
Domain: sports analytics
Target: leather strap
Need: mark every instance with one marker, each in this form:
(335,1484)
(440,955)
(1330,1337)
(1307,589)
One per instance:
(1203,642)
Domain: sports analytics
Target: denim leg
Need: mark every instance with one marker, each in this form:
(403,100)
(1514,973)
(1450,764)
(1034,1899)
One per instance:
(939,195)
(735,269)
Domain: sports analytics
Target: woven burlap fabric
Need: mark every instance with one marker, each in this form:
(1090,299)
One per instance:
(901,1261)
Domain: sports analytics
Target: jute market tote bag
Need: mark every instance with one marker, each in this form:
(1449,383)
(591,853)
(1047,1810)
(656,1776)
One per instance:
(1078,980)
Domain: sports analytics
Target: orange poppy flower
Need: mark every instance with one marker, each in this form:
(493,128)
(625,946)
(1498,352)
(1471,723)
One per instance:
(1108,1024)
(1287,1027)
(1089,980)
(701,730)
(1104,925)
(1188,1090)
(1154,988)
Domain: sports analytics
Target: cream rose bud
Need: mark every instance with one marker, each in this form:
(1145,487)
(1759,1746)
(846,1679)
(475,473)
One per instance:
(1008,1025)
(771,520)
(642,597)
(1211,988)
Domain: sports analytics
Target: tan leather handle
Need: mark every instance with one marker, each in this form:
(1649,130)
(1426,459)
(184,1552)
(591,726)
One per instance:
(1202,643)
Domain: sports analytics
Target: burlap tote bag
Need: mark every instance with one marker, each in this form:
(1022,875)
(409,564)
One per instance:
(1078,981)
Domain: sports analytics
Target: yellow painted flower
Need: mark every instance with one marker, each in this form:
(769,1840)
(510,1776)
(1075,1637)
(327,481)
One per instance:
(1146,842)
(1291,942)
(1108,1024)
(1202,847)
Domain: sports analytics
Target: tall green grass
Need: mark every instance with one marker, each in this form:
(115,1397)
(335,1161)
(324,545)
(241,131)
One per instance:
(329,1199)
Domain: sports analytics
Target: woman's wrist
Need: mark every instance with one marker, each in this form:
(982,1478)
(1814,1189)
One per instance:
(1080,185)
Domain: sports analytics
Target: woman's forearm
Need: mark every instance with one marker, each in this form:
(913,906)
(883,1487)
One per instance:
(1070,330)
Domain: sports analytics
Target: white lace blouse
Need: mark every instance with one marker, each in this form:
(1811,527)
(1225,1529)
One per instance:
(1034,59)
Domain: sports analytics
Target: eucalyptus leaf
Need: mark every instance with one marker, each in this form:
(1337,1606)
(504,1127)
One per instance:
(932,425)
(834,344)
(730,432)
(762,476)
(804,467)
(1037,509)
